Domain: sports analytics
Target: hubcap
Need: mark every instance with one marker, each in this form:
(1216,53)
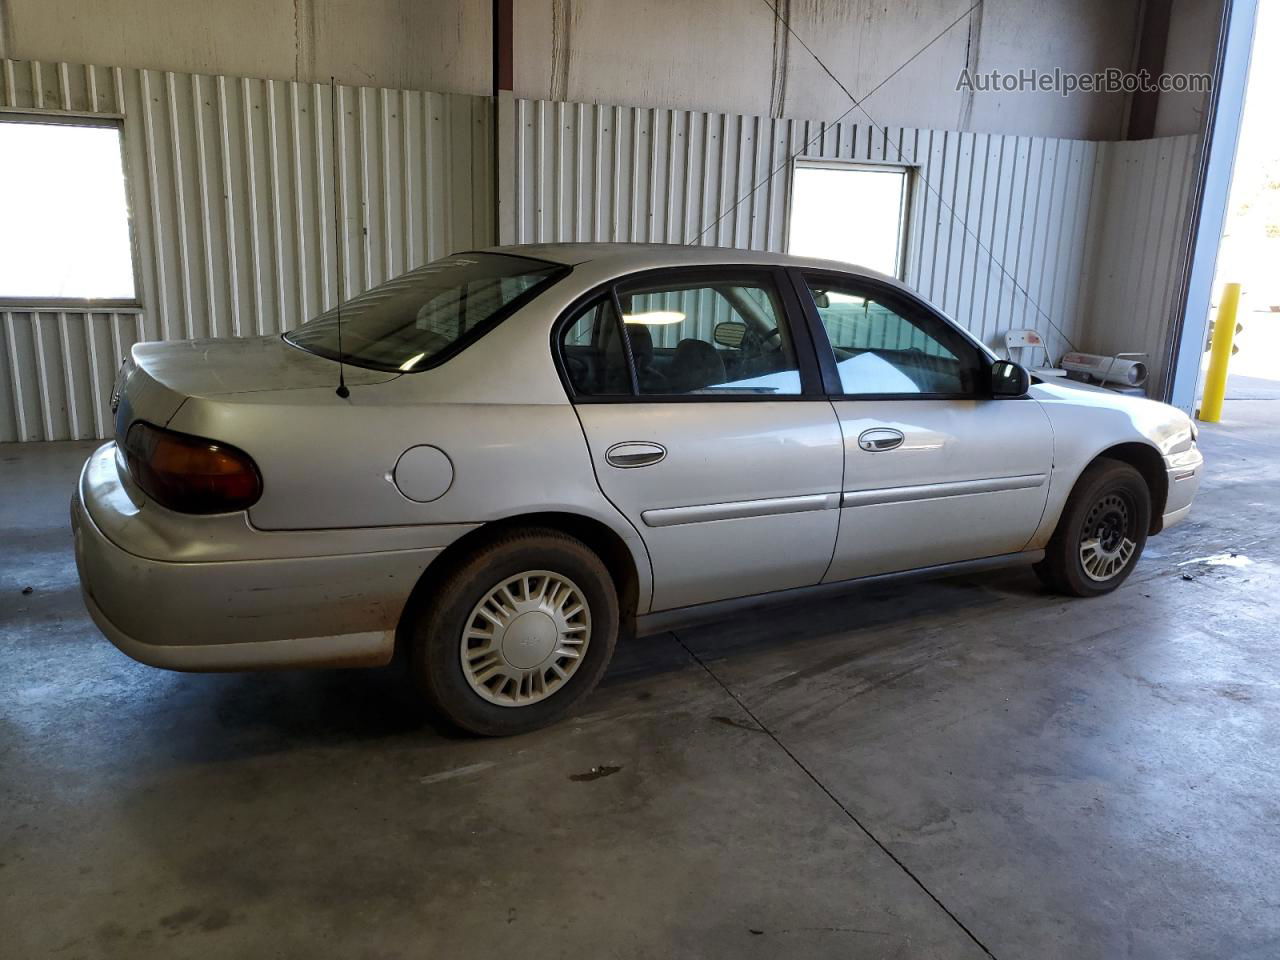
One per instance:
(1107,541)
(525,638)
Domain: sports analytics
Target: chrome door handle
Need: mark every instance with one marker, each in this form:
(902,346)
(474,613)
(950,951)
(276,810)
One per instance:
(880,439)
(634,453)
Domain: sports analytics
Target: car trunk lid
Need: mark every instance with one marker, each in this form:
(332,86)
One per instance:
(212,368)
(160,376)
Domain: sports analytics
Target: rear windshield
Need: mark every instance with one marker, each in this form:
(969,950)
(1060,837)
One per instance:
(426,315)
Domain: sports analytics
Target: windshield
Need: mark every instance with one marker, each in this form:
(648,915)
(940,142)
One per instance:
(426,315)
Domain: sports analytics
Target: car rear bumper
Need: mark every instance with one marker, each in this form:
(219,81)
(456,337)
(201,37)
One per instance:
(371,649)
(243,614)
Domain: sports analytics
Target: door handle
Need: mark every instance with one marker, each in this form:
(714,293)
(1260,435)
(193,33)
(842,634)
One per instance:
(635,453)
(880,439)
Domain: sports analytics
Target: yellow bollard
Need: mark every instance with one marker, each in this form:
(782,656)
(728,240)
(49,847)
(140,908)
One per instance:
(1224,330)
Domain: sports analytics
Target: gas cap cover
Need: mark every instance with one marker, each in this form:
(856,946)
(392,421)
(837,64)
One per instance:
(423,473)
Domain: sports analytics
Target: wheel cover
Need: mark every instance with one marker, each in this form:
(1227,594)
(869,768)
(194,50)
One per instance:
(1108,539)
(526,638)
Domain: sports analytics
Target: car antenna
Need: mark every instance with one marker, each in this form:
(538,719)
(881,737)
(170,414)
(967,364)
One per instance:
(342,390)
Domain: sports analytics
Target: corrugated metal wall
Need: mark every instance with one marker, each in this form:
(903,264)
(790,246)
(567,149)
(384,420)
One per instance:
(233,209)
(233,212)
(1001,229)
(597,172)
(58,371)
(1139,242)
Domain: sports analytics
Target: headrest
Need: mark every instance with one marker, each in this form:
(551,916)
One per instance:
(641,341)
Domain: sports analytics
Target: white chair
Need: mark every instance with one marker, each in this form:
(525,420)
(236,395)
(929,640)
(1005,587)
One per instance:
(1026,342)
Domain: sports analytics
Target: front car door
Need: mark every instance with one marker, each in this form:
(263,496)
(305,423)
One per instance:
(703,409)
(936,470)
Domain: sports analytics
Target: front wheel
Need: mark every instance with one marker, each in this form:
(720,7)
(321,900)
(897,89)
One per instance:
(1101,533)
(517,634)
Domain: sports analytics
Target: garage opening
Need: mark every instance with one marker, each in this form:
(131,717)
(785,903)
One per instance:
(66,214)
(1250,246)
(851,212)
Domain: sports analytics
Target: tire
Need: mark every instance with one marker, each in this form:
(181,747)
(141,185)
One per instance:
(516,597)
(1102,531)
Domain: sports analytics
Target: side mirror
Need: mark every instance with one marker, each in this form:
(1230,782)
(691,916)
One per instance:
(730,334)
(1009,380)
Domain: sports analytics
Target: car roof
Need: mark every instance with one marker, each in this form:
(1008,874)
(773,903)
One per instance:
(619,259)
(674,254)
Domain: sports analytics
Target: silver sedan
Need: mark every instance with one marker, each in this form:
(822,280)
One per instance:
(535,450)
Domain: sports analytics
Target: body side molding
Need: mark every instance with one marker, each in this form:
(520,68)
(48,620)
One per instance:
(935,491)
(739,509)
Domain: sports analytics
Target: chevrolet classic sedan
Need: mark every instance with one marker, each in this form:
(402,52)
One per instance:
(536,450)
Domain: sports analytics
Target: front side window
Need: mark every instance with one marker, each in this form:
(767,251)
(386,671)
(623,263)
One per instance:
(886,345)
(421,316)
(714,337)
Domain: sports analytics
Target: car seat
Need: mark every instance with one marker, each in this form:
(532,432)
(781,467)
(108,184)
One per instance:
(651,380)
(695,365)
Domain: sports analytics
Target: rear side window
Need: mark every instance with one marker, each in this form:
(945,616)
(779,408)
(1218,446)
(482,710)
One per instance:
(594,355)
(426,315)
(716,337)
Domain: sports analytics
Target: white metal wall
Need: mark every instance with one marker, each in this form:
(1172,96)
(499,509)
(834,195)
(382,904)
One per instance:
(1083,241)
(1139,245)
(233,211)
(592,172)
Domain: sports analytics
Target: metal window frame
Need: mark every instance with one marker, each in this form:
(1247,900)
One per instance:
(84,304)
(909,171)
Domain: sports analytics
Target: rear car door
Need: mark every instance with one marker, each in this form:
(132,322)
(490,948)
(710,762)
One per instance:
(936,469)
(702,406)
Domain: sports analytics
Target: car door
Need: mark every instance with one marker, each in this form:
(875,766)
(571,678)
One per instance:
(936,469)
(702,406)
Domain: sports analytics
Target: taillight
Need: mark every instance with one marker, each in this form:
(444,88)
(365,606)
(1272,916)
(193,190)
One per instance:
(190,474)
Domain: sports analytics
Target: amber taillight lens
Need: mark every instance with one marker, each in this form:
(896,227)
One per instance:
(190,474)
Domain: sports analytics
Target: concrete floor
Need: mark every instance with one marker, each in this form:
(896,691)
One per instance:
(958,769)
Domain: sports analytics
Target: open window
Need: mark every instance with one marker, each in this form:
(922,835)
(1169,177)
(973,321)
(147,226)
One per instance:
(66,237)
(853,212)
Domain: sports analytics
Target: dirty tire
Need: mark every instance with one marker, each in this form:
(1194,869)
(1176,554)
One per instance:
(1101,533)
(441,622)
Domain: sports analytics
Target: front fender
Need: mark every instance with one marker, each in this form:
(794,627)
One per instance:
(1089,423)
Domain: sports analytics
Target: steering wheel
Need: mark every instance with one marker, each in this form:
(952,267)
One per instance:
(754,343)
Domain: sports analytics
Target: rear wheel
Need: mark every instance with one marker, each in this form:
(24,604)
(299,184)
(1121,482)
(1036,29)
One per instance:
(1101,533)
(517,634)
